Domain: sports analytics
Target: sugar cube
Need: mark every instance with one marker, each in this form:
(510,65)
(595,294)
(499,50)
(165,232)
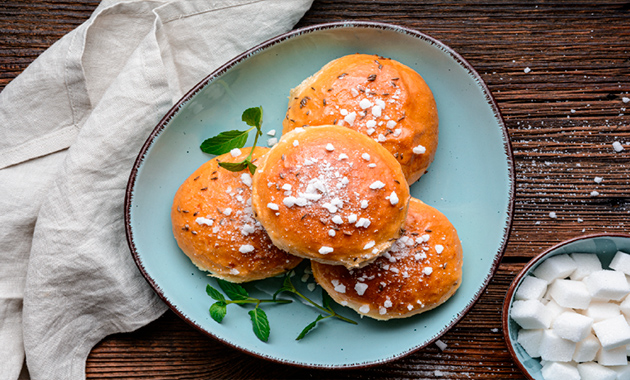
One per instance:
(587,263)
(623,372)
(565,371)
(570,293)
(530,341)
(559,266)
(530,314)
(572,326)
(614,356)
(594,371)
(600,310)
(554,348)
(554,309)
(621,262)
(586,349)
(607,285)
(531,288)
(624,306)
(612,332)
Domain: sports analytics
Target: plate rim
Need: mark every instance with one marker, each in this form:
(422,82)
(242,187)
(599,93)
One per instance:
(161,125)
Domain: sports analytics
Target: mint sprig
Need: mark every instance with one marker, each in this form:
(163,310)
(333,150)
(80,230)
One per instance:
(228,140)
(238,295)
(287,286)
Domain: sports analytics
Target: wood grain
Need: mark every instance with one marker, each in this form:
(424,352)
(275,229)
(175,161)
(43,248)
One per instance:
(562,118)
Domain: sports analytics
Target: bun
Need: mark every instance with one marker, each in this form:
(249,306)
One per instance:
(330,194)
(214,225)
(377,96)
(420,272)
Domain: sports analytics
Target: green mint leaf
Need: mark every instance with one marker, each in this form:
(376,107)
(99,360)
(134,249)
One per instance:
(218,311)
(253,116)
(224,142)
(233,166)
(234,291)
(326,300)
(251,167)
(287,286)
(309,327)
(260,323)
(215,294)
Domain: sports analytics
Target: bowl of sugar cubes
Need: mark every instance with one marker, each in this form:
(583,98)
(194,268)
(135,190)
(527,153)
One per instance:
(567,313)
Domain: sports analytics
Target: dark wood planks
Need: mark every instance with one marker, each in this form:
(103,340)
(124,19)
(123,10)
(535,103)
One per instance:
(562,118)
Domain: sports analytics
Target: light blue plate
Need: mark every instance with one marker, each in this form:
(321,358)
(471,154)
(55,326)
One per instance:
(471,181)
(605,246)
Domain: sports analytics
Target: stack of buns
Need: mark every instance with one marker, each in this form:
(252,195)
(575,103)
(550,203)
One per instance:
(334,190)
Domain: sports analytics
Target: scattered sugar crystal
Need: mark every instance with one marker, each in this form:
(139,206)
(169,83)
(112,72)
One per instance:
(376,111)
(530,314)
(617,146)
(388,303)
(427,271)
(391,124)
(271,133)
(360,287)
(248,229)
(246,248)
(325,250)
(377,185)
(227,211)
(527,70)
(369,245)
(594,193)
(370,131)
(273,206)
(234,271)
(393,198)
(419,149)
(553,215)
(554,348)
(365,156)
(559,266)
(621,262)
(530,339)
(370,124)
(342,156)
(204,221)
(272,141)
(363,222)
(332,233)
(364,309)
(441,345)
(564,371)
(598,179)
(352,218)
(439,248)
(350,118)
(586,263)
(381,137)
(594,371)
(569,293)
(612,332)
(614,356)
(625,99)
(310,286)
(340,288)
(364,204)
(330,147)
(246,179)
(296,143)
(382,310)
(337,219)
(343,112)
(365,103)
(572,326)
(607,285)
(586,349)
(235,152)
(531,288)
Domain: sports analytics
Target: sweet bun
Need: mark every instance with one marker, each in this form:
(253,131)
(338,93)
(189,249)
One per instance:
(214,225)
(376,96)
(330,194)
(420,272)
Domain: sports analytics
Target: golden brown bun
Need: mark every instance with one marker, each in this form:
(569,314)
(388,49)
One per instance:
(335,92)
(214,225)
(397,286)
(305,191)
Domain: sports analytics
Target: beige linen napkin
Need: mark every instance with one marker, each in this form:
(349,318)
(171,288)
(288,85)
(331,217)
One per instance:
(71,126)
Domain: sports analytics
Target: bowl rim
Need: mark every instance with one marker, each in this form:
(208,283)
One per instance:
(507,302)
(162,124)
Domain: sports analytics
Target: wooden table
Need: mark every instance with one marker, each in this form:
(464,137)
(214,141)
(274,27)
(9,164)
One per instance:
(562,118)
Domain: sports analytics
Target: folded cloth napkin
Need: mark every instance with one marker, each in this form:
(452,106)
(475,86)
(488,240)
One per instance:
(71,126)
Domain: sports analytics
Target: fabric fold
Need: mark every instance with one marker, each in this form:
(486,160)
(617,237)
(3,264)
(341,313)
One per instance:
(70,128)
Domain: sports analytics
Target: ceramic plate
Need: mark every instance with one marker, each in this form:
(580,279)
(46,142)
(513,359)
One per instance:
(471,181)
